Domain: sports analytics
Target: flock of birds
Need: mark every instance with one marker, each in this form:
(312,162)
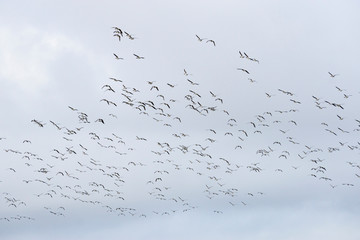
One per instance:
(95,165)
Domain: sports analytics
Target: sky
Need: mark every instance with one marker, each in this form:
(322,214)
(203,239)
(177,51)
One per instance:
(219,120)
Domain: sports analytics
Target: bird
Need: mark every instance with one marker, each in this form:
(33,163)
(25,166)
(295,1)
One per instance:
(332,75)
(244,70)
(108,102)
(200,39)
(211,41)
(73,109)
(100,120)
(154,87)
(108,88)
(118,35)
(38,123)
(192,83)
(117,57)
(129,36)
(138,57)
(115,80)
(241,55)
(186,73)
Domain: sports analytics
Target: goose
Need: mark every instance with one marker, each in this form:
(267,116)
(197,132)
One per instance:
(117,57)
(200,39)
(211,41)
(332,75)
(138,57)
(244,70)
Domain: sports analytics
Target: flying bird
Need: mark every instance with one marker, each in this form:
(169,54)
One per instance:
(200,39)
(138,57)
(117,57)
(332,75)
(115,80)
(108,102)
(211,41)
(244,70)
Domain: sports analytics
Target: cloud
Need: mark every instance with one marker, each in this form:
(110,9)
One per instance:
(26,54)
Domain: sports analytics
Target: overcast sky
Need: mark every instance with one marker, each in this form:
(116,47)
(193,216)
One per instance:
(223,120)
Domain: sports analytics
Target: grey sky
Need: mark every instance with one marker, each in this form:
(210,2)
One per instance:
(60,53)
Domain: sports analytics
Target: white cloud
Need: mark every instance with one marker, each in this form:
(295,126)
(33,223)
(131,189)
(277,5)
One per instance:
(27,52)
